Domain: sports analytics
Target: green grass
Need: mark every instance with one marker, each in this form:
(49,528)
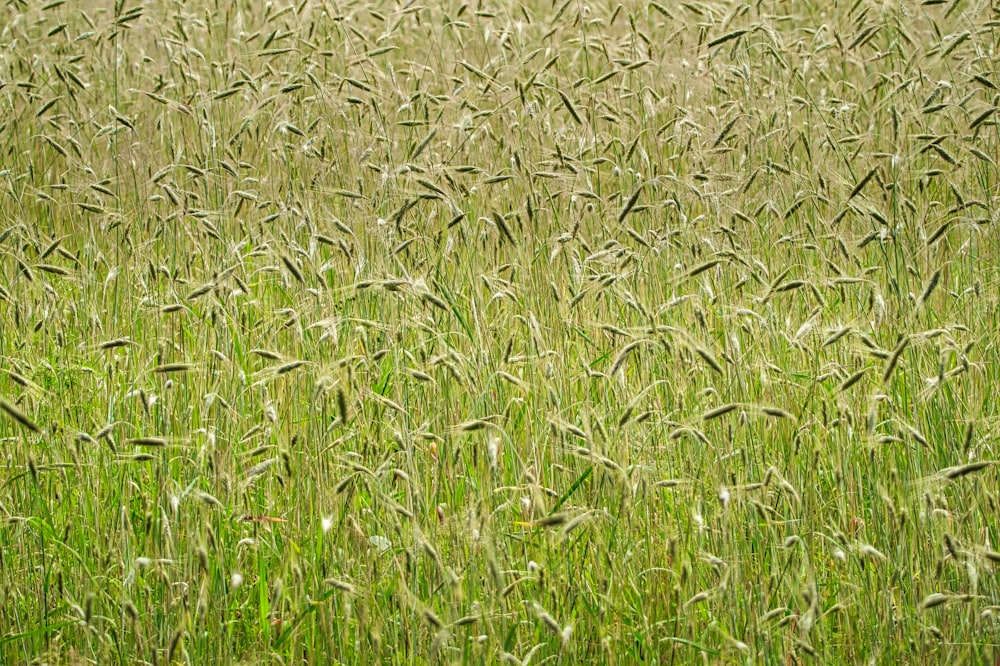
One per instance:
(485,333)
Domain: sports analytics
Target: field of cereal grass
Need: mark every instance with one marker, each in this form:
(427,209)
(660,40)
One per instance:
(495,332)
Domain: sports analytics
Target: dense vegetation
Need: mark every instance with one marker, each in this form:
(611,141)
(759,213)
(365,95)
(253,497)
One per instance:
(484,332)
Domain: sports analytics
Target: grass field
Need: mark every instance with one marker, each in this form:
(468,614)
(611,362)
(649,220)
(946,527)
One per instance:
(376,332)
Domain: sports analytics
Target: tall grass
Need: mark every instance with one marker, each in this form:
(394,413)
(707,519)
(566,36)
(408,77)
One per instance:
(376,332)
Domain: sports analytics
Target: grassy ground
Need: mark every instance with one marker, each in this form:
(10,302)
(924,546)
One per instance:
(375,332)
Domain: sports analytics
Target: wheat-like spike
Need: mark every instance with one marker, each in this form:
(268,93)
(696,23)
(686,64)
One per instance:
(629,205)
(285,368)
(929,289)
(569,107)
(19,416)
(197,293)
(52,269)
(776,412)
(207,498)
(548,620)
(970,428)
(852,380)
(622,355)
(292,268)
(729,126)
(861,184)
(342,407)
(722,40)
(473,425)
(916,435)
(722,410)
(837,335)
(553,520)
(341,585)
(982,117)
(708,358)
(420,147)
(697,599)
(963,470)
(669,483)
(576,522)
(114,344)
(147,441)
(894,359)
(502,226)
(381,399)
(170,368)
(791,285)
(934,599)
(431,618)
